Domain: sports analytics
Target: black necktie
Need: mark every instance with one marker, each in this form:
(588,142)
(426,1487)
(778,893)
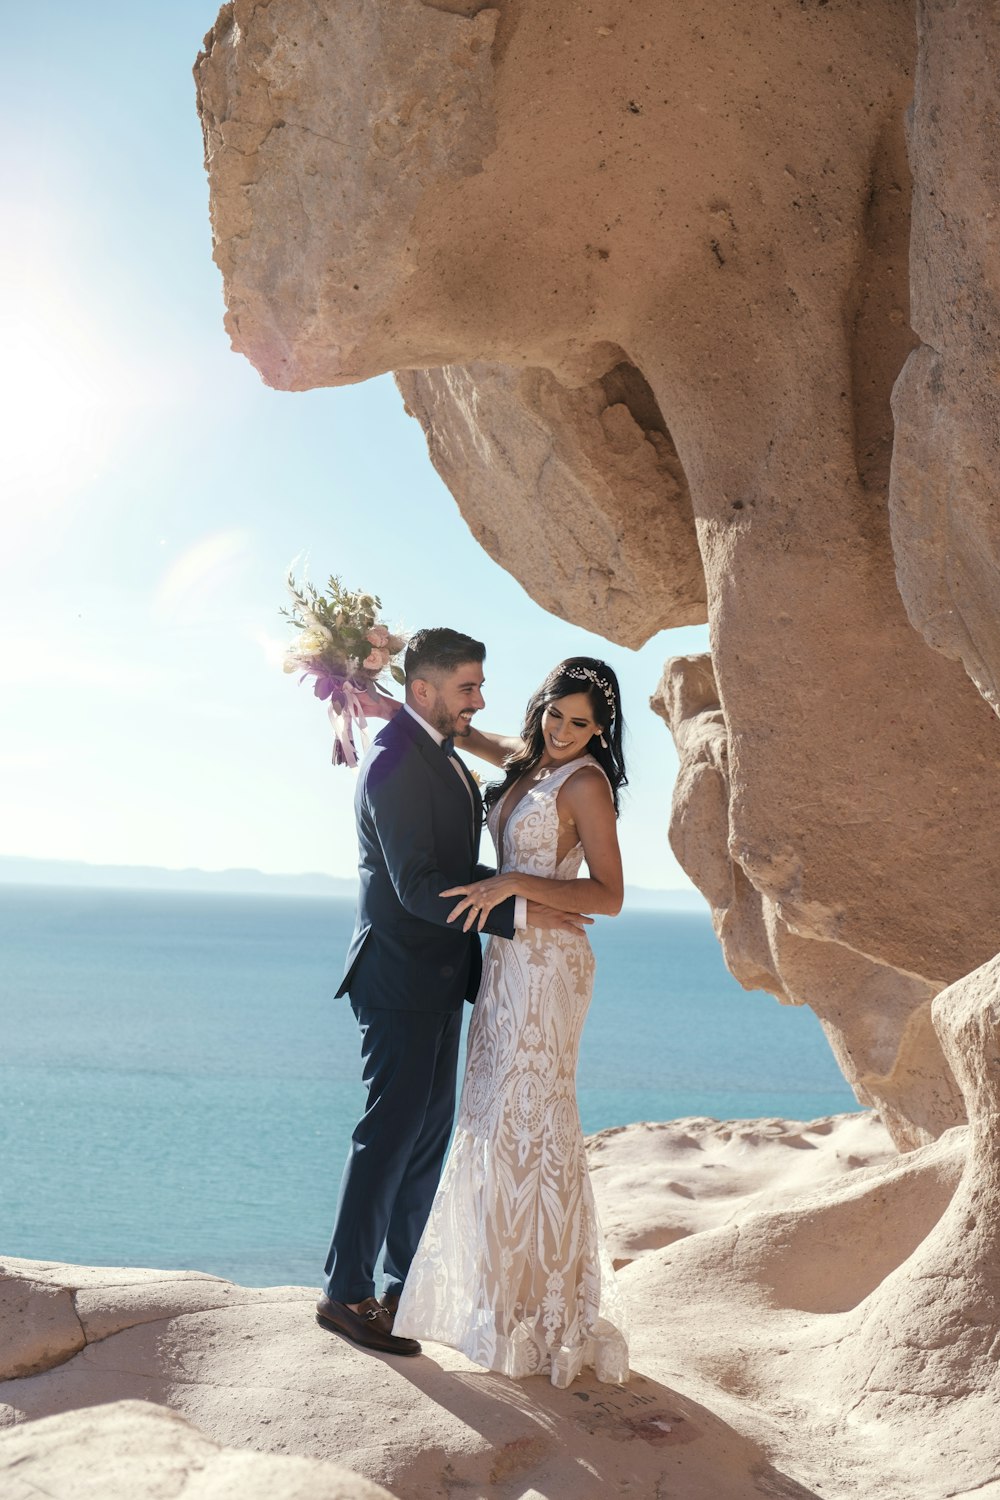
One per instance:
(448,745)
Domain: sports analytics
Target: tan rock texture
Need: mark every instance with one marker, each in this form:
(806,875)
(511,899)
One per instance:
(946,456)
(762,1314)
(327,126)
(867,1311)
(255,1372)
(877,1018)
(796,1334)
(659,1183)
(930,1331)
(49,1313)
(132,1450)
(590,475)
(644,274)
(524,200)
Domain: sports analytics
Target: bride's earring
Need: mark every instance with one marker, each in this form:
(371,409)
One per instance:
(604,743)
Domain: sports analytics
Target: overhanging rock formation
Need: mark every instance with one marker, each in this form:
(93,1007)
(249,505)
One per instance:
(877,1018)
(513,205)
(590,475)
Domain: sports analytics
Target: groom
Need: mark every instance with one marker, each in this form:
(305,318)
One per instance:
(419,817)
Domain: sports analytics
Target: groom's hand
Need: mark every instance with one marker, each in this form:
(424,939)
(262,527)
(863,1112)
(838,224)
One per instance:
(378,705)
(562,921)
(479,898)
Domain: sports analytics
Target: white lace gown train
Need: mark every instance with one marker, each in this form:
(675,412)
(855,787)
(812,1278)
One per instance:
(512,1268)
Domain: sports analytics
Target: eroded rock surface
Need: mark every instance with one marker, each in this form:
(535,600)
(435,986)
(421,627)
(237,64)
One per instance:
(326,126)
(49,1313)
(877,1018)
(657,1183)
(757,1254)
(930,1330)
(762,1314)
(253,1371)
(591,475)
(945,517)
(132,1450)
(723,209)
(868,1309)
(508,205)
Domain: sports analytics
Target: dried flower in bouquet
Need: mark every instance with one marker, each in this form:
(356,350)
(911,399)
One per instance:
(347,648)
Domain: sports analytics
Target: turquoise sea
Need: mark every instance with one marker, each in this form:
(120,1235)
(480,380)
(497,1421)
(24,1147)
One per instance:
(178,1084)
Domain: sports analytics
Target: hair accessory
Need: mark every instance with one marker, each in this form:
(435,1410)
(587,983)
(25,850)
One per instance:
(589,675)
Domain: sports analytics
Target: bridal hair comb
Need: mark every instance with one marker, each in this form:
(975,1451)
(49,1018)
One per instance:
(589,675)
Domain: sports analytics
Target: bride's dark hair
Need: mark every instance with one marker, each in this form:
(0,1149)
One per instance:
(578,674)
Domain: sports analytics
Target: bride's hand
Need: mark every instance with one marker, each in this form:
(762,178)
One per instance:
(479,899)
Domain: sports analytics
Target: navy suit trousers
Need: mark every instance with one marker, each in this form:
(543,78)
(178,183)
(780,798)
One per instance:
(409,1060)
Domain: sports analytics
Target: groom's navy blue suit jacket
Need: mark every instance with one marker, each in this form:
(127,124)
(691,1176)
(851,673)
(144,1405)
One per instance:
(418,834)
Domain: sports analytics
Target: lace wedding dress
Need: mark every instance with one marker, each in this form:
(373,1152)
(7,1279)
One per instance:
(512,1268)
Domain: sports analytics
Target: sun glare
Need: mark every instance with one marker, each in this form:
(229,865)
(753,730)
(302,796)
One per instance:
(64,394)
(193,585)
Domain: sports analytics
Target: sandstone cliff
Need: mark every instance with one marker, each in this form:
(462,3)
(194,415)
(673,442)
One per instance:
(706,303)
(645,282)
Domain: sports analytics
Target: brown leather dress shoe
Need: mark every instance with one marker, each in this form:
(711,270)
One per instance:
(370,1326)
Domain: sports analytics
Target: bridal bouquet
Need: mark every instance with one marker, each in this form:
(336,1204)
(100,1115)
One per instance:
(347,648)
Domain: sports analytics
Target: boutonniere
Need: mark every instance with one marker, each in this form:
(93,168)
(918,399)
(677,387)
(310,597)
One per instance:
(476,777)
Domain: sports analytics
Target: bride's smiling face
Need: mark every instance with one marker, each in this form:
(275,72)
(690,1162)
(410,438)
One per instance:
(568,725)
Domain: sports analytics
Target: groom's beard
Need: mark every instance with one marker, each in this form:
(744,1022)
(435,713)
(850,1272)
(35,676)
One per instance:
(446,723)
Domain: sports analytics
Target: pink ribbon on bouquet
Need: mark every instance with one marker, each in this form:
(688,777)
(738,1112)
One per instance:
(345,710)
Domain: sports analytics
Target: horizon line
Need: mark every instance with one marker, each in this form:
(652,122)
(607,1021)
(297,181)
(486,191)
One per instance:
(250,870)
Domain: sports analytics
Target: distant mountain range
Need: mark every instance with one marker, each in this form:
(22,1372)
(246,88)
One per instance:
(20,870)
(17,870)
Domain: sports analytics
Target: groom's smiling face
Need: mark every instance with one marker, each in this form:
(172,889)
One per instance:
(448,700)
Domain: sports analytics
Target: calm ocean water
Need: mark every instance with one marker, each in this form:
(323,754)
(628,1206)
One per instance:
(178,1084)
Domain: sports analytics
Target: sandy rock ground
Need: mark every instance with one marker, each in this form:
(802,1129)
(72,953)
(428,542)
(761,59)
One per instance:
(659,1183)
(131,1449)
(745,1248)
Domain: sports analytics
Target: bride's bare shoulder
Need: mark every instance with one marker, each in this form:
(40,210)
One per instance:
(588,784)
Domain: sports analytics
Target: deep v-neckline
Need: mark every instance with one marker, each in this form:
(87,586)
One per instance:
(503,823)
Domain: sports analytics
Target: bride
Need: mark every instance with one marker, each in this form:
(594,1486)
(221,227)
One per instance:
(512,1269)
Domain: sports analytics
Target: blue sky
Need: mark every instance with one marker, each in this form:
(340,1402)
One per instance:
(154,491)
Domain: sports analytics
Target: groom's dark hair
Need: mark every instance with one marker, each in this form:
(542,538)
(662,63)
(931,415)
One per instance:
(439,650)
